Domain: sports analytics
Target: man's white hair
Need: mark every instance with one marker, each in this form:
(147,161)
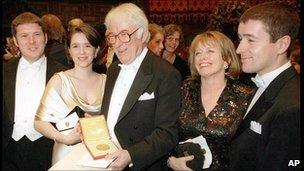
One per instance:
(131,13)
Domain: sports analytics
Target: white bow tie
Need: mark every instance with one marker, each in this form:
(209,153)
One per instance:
(259,82)
(35,66)
(126,67)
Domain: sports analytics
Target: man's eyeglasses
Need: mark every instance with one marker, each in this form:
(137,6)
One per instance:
(122,36)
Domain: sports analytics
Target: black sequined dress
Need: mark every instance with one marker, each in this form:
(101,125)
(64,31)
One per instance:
(221,122)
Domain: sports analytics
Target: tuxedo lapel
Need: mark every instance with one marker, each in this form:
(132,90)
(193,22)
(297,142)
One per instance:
(52,67)
(110,83)
(266,100)
(49,70)
(257,111)
(10,85)
(139,85)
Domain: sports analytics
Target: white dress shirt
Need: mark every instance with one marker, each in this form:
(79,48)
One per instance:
(263,81)
(120,91)
(30,85)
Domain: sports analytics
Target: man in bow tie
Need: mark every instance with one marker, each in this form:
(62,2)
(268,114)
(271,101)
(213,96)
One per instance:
(24,82)
(142,98)
(269,136)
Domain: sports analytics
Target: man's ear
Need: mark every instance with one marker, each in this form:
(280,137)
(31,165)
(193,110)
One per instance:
(143,34)
(46,38)
(282,44)
(141,31)
(15,41)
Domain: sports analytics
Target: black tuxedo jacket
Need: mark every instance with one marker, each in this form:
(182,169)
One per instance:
(147,128)
(278,112)
(9,82)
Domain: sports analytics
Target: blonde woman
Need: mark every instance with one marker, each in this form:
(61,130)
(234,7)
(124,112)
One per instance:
(155,43)
(214,102)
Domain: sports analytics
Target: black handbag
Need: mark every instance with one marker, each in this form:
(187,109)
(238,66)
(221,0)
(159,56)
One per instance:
(189,148)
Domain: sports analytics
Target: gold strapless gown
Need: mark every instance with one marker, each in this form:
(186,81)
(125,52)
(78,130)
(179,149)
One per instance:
(54,108)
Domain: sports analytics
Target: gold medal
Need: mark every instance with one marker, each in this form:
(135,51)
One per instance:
(103,147)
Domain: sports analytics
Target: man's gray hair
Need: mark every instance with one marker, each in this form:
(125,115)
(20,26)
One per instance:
(131,13)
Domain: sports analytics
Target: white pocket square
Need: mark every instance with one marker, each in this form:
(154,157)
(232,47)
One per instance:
(256,127)
(146,96)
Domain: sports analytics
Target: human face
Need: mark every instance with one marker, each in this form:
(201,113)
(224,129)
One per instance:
(128,51)
(208,60)
(81,51)
(172,42)
(258,54)
(31,41)
(156,44)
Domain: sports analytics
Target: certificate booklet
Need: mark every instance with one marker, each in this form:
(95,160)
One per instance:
(96,136)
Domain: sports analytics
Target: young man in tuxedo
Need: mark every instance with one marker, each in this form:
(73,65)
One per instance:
(24,80)
(269,136)
(142,99)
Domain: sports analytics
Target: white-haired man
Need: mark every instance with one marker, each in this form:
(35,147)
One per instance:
(142,98)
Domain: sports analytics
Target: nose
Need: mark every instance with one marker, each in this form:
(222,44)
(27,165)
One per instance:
(161,46)
(117,43)
(31,39)
(202,56)
(241,47)
(82,50)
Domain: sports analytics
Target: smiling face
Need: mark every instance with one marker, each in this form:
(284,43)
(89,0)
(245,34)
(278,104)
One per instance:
(31,41)
(258,54)
(156,44)
(208,60)
(126,51)
(172,42)
(81,51)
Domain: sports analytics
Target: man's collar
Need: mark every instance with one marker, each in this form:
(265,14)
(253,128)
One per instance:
(24,64)
(134,65)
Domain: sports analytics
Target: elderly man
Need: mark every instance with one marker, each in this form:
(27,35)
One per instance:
(25,78)
(142,99)
(269,136)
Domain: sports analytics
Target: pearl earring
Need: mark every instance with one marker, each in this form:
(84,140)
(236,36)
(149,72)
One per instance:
(225,66)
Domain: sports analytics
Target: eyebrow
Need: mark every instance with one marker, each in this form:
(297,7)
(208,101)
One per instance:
(247,35)
(118,32)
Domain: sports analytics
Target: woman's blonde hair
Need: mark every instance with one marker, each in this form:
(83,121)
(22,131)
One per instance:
(227,50)
(154,29)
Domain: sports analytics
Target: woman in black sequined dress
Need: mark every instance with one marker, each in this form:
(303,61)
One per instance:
(214,101)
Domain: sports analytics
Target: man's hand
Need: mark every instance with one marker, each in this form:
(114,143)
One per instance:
(179,163)
(122,159)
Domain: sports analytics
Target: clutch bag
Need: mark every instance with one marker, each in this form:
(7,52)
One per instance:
(190,148)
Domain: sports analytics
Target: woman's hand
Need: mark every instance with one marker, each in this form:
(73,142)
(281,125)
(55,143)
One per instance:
(179,163)
(74,136)
(86,115)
